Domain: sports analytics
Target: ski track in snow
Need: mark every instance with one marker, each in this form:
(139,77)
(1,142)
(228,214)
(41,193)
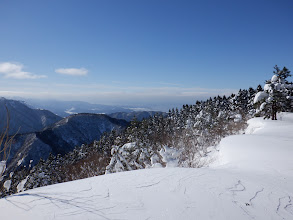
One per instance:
(255,195)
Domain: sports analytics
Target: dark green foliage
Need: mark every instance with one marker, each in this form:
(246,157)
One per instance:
(282,74)
(259,88)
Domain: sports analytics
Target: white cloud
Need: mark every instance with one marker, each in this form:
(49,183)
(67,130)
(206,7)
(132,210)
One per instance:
(72,71)
(14,70)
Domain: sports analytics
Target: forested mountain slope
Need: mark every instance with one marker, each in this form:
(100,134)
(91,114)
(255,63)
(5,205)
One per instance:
(61,137)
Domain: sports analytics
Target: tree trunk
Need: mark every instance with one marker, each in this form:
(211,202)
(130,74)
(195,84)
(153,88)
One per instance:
(274,111)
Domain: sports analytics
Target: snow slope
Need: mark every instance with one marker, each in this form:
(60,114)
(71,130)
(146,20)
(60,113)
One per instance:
(251,178)
(267,146)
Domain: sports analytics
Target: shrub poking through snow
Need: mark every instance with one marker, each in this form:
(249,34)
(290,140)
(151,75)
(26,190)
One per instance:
(5,146)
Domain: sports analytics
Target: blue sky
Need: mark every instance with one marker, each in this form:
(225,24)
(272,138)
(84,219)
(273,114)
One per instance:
(140,51)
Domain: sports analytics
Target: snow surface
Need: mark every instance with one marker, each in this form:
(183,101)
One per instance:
(70,111)
(2,166)
(20,186)
(267,146)
(274,78)
(260,96)
(252,178)
(170,156)
(7,184)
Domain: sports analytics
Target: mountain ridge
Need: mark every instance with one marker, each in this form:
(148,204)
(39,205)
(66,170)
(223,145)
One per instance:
(62,137)
(24,119)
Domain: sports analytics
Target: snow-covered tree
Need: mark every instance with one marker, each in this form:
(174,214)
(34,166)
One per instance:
(277,95)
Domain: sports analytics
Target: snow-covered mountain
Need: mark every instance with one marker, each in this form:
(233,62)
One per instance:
(24,119)
(62,137)
(250,178)
(66,108)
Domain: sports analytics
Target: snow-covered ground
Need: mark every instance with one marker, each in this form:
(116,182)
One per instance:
(251,178)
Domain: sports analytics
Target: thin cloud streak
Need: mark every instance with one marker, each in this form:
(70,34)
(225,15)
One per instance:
(72,71)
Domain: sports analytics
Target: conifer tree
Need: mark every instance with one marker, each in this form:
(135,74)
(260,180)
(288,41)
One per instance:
(277,95)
